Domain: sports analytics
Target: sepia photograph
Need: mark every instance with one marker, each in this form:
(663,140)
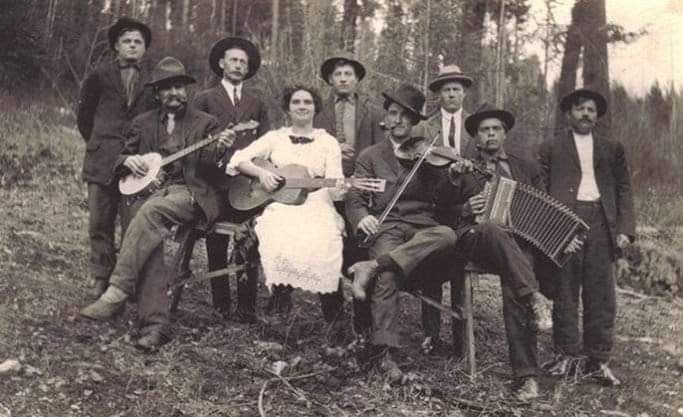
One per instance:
(274,208)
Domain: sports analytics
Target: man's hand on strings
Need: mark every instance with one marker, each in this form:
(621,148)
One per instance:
(226,139)
(137,165)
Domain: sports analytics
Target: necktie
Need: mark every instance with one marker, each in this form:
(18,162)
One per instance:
(300,140)
(170,123)
(451,132)
(235,97)
(340,108)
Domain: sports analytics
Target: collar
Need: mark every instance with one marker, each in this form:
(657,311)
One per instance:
(447,115)
(230,87)
(177,115)
(578,136)
(351,98)
(394,144)
(124,64)
(498,156)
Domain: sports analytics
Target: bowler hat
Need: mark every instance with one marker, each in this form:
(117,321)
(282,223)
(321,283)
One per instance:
(218,52)
(329,64)
(170,69)
(408,97)
(571,98)
(488,112)
(126,23)
(449,73)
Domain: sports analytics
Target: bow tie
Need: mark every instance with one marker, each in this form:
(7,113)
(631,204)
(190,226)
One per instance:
(300,140)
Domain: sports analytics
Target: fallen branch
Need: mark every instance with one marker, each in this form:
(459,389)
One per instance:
(614,413)
(261,410)
(635,294)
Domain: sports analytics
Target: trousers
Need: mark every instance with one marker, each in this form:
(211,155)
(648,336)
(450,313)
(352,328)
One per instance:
(104,203)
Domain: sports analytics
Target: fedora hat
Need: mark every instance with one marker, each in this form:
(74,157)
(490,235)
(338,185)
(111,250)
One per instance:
(571,98)
(218,51)
(170,69)
(408,97)
(488,112)
(328,65)
(126,23)
(450,73)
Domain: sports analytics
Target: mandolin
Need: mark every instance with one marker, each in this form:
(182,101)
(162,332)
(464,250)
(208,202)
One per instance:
(246,192)
(132,184)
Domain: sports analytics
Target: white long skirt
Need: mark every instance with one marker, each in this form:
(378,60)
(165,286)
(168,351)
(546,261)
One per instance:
(302,245)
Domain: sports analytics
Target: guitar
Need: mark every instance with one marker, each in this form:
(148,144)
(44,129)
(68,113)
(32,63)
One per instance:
(246,192)
(132,184)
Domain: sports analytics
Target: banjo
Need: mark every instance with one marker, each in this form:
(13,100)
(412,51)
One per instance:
(132,184)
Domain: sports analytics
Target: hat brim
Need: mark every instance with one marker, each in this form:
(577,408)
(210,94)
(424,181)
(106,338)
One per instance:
(115,31)
(473,120)
(435,85)
(182,78)
(218,51)
(327,67)
(388,99)
(569,99)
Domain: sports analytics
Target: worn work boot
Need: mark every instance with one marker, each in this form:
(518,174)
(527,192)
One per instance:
(151,342)
(109,305)
(600,373)
(540,310)
(527,390)
(362,272)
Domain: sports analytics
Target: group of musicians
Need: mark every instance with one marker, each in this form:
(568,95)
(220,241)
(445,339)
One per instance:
(418,232)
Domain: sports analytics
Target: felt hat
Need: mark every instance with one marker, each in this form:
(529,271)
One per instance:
(218,51)
(170,69)
(328,65)
(449,73)
(408,97)
(126,23)
(571,98)
(488,112)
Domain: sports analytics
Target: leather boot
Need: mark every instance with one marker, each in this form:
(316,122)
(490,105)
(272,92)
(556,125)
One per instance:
(362,272)
(527,390)
(600,373)
(109,305)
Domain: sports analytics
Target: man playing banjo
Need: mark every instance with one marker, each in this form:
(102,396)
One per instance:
(187,196)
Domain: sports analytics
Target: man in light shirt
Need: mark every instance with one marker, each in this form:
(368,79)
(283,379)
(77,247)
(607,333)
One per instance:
(450,86)
(589,173)
(234,60)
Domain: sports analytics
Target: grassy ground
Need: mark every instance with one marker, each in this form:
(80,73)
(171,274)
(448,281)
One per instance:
(71,367)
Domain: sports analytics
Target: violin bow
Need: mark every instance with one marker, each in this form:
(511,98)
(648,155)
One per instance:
(394,199)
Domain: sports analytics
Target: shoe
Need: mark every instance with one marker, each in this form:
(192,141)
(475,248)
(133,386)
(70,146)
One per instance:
(109,305)
(540,309)
(527,390)
(99,287)
(151,342)
(392,373)
(600,373)
(362,272)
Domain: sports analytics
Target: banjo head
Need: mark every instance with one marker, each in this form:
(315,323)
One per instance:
(130,184)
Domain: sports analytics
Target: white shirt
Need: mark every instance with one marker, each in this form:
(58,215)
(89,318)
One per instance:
(588,187)
(230,89)
(446,125)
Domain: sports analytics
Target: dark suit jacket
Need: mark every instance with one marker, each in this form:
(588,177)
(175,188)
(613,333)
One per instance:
(454,192)
(103,117)
(432,127)
(144,137)
(416,205)
(368,131)
(562,170)
(216,102)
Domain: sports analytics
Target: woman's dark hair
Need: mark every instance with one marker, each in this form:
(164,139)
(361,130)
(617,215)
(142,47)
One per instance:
(289,92)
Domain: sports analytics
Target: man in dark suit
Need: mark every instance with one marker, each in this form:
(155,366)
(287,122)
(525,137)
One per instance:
(485,244)
(187,196)
(449,120)
(234,60)
(589,173)
(111,96)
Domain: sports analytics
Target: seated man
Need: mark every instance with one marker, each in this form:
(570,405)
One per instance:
(524,308)
(412,213)
(187,196)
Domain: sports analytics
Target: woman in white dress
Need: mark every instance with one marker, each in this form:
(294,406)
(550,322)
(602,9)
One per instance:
(300,246)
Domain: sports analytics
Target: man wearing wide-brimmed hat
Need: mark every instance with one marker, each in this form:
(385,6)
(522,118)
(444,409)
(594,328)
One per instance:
(589,173)
(234,60)
(111,96)
(187,196)
(380,278)
(450,86)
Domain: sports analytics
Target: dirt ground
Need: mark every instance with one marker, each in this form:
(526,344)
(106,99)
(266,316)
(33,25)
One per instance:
(71,367)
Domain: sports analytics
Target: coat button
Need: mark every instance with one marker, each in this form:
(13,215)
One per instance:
(571,189)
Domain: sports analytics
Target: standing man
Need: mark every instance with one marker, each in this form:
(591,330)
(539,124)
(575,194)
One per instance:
(451,86)
(111,96)
(188,195)
(589,173)
(234,60)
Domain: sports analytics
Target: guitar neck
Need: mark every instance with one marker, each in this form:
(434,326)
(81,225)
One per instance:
(311,182)
(192,148)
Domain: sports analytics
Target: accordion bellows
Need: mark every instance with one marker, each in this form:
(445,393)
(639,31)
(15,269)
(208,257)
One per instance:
(533,215)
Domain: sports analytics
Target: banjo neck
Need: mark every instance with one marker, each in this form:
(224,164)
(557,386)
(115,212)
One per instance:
(184,152)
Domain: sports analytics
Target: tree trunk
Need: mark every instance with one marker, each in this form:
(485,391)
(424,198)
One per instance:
(595,60)
(570,63)
(275,29)
(349,28)
(473,13)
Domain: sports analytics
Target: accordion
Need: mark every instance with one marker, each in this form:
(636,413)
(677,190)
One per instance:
(533,215)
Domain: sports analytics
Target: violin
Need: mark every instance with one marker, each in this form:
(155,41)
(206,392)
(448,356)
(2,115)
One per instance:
(438,156)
